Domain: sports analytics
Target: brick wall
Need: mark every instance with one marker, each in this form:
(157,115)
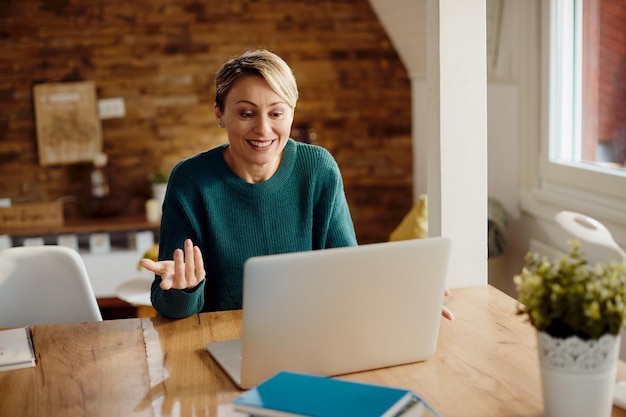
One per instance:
(612,74)
(161,56)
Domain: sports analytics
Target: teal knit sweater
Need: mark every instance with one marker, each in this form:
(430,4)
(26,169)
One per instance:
(302,207)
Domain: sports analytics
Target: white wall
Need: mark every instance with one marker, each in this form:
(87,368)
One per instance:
(451,139)
(513,114)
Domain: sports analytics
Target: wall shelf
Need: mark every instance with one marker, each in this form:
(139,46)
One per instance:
(88,225)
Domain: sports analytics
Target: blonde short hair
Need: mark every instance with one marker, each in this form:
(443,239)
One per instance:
(261,63)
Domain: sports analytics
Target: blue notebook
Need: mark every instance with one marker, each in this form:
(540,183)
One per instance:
(289,394)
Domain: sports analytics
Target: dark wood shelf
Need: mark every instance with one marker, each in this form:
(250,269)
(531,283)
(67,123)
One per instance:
(89,225)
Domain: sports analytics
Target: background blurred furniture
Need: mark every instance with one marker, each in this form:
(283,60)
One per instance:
(136,292)
(129,237)
(415,225)
(44,285)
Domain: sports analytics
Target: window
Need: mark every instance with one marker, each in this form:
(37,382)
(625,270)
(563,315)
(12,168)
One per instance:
(584,146)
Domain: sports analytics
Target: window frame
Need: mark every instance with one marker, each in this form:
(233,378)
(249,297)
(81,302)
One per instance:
(569,185)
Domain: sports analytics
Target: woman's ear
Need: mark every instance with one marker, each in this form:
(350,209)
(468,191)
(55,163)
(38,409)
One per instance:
(218,115)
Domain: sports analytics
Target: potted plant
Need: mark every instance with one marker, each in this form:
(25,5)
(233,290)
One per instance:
(159,177)
(578,310)
(159,185)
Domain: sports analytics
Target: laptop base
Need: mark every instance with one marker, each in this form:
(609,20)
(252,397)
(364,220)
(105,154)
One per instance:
(228,355)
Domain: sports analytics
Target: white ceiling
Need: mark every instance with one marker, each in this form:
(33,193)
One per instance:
(405,24)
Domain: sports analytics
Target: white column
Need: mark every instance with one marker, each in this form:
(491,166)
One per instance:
(457,133)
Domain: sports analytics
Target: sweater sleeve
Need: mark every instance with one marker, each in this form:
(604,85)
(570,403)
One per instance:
(177,225)
(341,228)
(333,222)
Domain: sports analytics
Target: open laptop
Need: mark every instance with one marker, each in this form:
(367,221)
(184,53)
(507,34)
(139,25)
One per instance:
(336,311)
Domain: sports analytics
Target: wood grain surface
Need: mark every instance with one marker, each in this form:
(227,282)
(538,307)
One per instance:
(486,365)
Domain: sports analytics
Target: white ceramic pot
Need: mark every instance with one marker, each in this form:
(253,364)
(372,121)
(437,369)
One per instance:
(158,192)
(578,376)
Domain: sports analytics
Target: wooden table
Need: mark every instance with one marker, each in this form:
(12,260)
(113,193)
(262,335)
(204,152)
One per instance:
(486,365)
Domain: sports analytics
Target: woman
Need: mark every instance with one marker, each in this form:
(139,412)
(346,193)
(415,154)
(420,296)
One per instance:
(260,194)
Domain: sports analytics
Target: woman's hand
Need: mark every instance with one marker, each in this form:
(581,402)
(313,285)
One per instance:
(444,310)
(186,271)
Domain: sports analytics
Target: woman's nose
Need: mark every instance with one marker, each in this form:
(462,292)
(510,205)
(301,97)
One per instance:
(263,125)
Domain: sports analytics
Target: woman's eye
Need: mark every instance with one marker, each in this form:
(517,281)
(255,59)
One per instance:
(247,115)
(277,114)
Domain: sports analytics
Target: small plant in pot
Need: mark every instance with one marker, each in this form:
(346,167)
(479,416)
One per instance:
(159,185)
(578,310)
(158,180)
(569,297)
(159,177)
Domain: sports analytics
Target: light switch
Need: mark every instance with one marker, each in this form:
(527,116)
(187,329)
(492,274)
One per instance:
(110,108)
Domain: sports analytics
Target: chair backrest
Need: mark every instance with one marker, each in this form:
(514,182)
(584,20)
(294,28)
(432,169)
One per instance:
(44,285)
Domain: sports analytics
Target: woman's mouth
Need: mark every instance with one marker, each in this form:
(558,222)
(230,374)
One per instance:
(261,144)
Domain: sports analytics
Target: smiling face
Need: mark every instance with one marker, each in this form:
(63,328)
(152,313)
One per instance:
(258,123)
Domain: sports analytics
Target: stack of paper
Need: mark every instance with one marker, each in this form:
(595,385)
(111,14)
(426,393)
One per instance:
(16,349)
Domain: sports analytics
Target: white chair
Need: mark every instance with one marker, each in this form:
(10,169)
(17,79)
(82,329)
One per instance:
(44,285)
(136,292)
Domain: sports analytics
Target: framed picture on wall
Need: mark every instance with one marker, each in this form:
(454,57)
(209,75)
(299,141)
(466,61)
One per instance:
(68,127)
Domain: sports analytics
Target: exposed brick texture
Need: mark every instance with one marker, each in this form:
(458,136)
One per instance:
(161,56)
(612,74)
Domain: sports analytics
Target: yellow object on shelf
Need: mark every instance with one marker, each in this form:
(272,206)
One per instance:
(152,253)
(415,223)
